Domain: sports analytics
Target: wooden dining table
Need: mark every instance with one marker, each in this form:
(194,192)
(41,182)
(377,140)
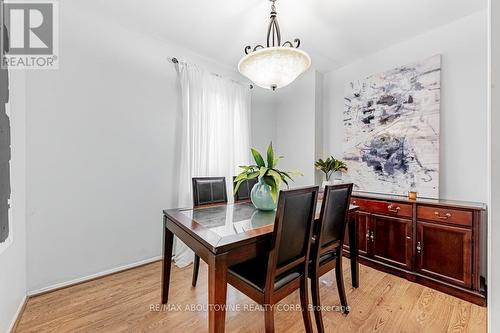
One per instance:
(225,235)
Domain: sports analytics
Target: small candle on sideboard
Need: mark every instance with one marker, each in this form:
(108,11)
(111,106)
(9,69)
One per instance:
(412,195)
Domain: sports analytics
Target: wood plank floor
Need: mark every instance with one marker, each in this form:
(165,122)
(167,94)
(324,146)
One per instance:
(128,302)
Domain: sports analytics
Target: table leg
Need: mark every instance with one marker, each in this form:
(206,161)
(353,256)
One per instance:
(217,290)
(353,249)
(168,243)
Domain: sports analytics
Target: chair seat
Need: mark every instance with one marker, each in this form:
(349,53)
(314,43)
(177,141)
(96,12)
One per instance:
(254,272)
(323,259)
(327,257)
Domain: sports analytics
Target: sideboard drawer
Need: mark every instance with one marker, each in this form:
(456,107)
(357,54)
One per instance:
(384,207)
(445,215)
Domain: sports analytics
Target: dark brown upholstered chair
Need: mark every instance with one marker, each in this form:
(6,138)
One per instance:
(326,253)
(270,277)
(244,190)
(207,191)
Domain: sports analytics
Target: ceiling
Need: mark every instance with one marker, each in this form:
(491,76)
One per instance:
(333,32)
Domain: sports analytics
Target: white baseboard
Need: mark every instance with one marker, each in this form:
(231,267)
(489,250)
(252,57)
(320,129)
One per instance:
(18,314)
(92,277)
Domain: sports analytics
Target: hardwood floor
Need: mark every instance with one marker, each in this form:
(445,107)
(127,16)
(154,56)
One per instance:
(128,302)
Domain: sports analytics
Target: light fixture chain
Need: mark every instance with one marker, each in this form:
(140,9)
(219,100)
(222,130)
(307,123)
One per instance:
(273,29)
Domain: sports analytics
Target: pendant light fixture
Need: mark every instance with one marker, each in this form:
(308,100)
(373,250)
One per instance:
(276,65)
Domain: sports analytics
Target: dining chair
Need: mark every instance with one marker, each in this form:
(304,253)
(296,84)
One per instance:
(327,245)
(207,191)
(245,189)
(272,276)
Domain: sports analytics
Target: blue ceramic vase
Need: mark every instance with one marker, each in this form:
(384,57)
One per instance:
(261,196)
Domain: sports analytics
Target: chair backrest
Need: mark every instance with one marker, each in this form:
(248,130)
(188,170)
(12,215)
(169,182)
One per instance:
(245,189)
(292,230)
(209,190)
(334,211)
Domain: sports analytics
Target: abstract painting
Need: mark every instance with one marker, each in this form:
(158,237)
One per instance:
(391,124)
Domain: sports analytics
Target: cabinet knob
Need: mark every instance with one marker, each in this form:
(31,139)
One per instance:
(354,202)
(445,217)
(419,247)
(393,210)
(372,236)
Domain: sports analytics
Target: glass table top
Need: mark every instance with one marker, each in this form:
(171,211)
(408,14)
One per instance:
(231,219)
(225,226)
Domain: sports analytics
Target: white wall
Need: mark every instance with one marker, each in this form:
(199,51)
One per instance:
(463,45)
(494,211)
(295,127)
(102,154)
(319,134)
(13,258)
(292,118)
(263,118)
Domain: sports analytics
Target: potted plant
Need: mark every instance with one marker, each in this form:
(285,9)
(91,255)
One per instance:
(264,194)
(329,166)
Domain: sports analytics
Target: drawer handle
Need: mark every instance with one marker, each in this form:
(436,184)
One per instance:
(393,210)
(445,217)
(419,247)
(354,202)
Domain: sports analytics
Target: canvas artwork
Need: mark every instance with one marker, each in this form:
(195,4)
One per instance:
(391,124)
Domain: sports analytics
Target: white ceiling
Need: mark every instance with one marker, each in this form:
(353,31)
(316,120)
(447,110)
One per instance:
(333,32)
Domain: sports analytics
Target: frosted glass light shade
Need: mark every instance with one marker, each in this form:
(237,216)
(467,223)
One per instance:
(274,67)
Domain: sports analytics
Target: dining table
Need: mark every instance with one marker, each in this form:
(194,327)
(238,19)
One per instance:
(227,234)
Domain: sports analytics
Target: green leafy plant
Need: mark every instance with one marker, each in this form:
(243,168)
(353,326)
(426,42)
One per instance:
(330,165)
(267,172)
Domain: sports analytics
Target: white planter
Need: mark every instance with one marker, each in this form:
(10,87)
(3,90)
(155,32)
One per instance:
(328,182)
(335,179)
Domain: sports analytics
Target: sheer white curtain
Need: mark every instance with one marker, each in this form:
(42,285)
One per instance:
(215,134)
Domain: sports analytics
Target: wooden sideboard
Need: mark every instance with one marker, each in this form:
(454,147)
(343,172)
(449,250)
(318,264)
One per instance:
(436,243)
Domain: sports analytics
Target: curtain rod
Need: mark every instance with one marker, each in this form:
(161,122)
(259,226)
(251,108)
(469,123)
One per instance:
(175,61)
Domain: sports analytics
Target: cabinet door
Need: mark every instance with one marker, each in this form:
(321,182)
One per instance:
(392,240)
(444,252)
(363,234)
